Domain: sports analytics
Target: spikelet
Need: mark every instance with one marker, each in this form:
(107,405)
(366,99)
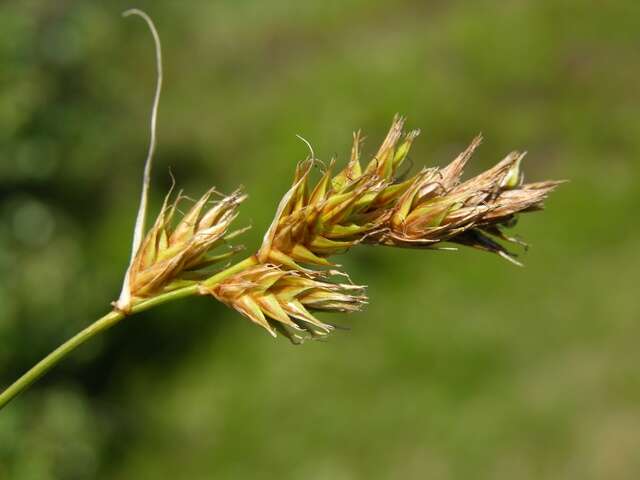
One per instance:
(281,300)
(437,207)
(170,255)
(340,211)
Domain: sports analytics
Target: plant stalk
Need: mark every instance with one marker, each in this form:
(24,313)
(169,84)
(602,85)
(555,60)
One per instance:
(104,323)
(44,365)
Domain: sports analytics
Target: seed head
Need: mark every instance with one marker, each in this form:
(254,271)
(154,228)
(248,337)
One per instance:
(172,254)
(340,211)
(281,300)
(376,205)
(437,207)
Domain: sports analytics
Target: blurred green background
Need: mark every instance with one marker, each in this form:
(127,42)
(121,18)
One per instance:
(463,366)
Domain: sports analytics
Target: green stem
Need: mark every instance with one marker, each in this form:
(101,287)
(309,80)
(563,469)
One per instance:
(44,365)
(106,322)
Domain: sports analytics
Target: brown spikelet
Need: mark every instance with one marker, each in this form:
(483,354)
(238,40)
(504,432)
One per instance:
(438,207)
(282,300)
(169,253)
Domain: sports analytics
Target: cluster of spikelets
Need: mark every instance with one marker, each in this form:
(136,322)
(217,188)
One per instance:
(280,299)
(173,254)
(283,282)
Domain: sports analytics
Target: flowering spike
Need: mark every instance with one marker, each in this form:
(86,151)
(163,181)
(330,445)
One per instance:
(437,207)
(282,300)
(168,255)
(373,206)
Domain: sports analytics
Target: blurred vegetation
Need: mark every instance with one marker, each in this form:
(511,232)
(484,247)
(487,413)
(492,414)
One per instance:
(462,367)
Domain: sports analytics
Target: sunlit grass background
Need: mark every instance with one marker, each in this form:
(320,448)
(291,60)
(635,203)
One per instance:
(463,366)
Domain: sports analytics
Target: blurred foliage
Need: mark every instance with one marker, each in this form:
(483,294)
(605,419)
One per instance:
(463,366)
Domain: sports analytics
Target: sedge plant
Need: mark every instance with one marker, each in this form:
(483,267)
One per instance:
(292,276)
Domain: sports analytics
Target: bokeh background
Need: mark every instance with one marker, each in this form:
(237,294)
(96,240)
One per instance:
(463,366)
